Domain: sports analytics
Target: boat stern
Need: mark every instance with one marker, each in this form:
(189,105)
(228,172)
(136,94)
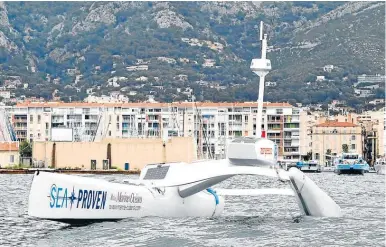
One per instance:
(351,168)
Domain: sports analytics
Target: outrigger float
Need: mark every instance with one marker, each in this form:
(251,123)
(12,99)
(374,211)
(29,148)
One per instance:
(174,190)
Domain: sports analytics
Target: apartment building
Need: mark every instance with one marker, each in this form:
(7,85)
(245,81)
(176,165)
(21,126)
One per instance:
(332,135)
(370,125)
(212,124)
(373,124)
(310,119)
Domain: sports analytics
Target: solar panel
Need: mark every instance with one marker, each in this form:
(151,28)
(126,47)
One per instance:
(156,173)
(245,140)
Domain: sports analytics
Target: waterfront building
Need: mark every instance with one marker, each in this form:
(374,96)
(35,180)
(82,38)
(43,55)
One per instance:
(329,137)
(9,154)
(211,124)
(110,153)
(373,126)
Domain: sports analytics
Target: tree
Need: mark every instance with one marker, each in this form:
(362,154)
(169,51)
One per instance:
(308,156)
(345,148)
(328,154)
(25,149)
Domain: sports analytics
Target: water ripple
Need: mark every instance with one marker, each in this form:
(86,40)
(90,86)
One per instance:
(247,221)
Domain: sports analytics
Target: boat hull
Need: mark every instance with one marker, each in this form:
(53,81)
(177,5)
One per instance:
(75,199)
(310,169)
(380,169)
(350,169)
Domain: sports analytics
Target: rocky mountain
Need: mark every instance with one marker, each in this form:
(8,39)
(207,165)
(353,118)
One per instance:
(172,49)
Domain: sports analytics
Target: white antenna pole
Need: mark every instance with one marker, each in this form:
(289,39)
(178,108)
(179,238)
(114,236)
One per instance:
(261,67)
(260,103)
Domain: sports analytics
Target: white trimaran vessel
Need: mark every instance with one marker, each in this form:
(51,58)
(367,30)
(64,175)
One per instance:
(178,189)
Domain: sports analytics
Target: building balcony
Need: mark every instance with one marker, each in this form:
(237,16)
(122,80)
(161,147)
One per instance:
(74,120)
(20,120)
(153,121)
(235,122)
(291,121)
(274,130)
(233,128)
(291,152)
(274,121)
(274,137)
(291,129)
(20,128)
(58,121)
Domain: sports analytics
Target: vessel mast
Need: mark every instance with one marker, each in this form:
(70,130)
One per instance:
(261,67)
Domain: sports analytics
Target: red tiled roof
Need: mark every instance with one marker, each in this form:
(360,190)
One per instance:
(145,104)
(9,146)
(336,124)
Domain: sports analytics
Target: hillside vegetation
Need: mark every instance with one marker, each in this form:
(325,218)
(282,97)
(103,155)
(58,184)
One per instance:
(63,49)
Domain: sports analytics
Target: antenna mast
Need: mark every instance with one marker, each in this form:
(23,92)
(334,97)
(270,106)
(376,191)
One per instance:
(261,67)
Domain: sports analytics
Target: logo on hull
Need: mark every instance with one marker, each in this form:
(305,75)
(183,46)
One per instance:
(124,201)
(61,197)
(265,150)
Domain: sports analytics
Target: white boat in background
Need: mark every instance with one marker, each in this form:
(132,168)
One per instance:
(328,168)
(380,166)
(351,163)
(309,166)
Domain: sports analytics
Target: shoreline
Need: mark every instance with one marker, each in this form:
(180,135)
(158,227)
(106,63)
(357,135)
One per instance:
(97,172)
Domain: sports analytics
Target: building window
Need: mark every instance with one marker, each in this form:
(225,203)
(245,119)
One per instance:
(317,156)
(279,111)
(31,118)
(353,138)
(117,118)
(39,118)
(38,135)
(47,126)
(117,126)
(109,132)
(12,158)
(352,146)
